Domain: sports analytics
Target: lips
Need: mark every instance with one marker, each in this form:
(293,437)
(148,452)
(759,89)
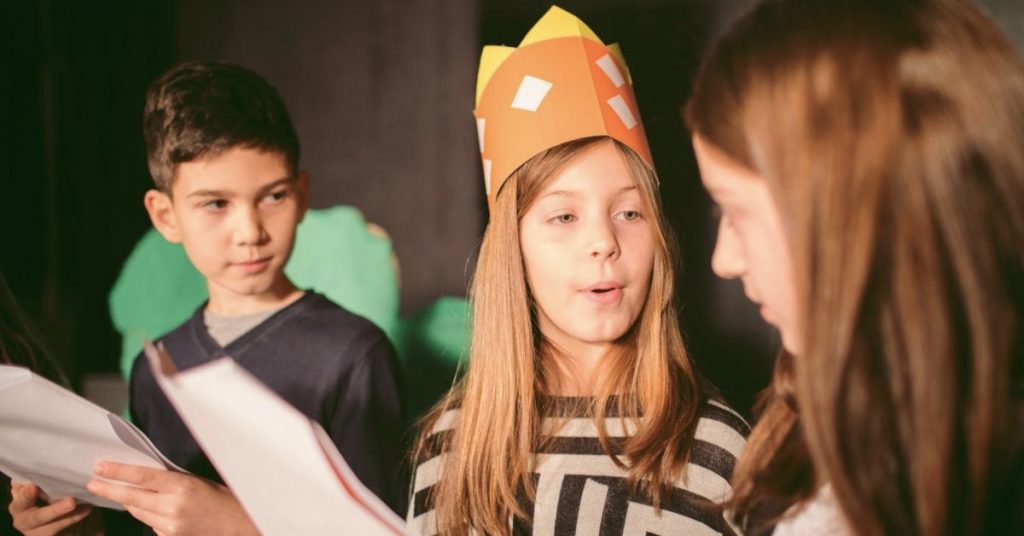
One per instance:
(254,266)
(605,292)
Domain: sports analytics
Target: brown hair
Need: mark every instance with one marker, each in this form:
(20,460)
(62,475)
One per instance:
(201,109)
(490,451)
(892,136)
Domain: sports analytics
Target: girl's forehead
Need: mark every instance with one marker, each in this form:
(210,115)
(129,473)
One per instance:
(721,175)
(600,170)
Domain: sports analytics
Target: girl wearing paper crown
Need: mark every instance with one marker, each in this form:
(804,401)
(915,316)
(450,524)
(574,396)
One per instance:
(580,411)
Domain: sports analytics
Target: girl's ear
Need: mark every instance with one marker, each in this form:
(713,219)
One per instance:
(161,212)
(302,191)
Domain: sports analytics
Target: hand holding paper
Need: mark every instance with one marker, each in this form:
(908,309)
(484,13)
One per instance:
(52,437)
(172,503)
(57,518)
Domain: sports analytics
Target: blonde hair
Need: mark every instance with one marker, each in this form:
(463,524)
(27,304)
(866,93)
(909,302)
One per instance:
(892,136)
(490,451)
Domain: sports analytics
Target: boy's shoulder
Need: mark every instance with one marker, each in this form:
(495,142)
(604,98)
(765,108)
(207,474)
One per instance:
(179,337)
(321,326)
(322,317)
(314,334)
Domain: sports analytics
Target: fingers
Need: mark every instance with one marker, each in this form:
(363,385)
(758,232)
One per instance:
(56,525)
(145,477)
(50,519)
(140,494)
(170,503)
(23,497)
(129,496)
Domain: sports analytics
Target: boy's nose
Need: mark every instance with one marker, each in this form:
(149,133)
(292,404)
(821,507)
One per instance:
(727,260)
(249,229)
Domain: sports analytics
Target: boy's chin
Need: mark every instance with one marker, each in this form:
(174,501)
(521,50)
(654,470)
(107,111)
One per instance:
(257,287)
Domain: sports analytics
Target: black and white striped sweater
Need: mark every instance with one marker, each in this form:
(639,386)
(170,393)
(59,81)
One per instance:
(581,491)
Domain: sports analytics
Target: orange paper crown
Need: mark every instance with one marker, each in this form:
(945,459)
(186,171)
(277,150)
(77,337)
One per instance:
(561,84)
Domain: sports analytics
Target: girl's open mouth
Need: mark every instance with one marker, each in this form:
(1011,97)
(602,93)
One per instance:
(605,294)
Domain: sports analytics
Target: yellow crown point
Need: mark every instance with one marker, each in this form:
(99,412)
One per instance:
(616,51)
(556,23)
(490,59)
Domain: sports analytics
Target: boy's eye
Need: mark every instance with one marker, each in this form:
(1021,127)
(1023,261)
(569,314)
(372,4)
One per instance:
(277,197)
(563,219)
(215,204)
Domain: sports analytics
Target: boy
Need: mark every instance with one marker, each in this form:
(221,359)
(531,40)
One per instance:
(224,157)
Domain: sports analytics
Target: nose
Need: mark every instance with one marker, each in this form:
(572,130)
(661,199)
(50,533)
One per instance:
(728,260)
(249,229)
(603,242)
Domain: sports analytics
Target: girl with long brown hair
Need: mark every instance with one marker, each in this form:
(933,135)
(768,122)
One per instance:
(579,412)
(21,345)
(868,159)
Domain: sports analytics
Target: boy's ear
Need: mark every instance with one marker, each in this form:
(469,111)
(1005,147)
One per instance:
(302,190)
(161,213)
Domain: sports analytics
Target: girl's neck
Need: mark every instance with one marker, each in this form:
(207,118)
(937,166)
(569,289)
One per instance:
(573,372)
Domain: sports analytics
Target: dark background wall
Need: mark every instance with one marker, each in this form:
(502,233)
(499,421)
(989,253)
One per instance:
(73,164)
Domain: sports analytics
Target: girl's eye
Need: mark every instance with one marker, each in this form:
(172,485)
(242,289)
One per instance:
(721,215)
(630,215)
(563,219)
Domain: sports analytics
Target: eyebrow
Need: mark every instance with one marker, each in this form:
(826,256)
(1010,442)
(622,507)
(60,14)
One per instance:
(559,193)
(718,193)
(734,201)
(574,193)
(276,183)
(222,193)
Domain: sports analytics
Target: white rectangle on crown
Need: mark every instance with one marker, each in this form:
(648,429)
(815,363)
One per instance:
(531,93)
(622,110)
(607,64)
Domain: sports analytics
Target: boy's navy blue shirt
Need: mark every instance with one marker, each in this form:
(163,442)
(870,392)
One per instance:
(336,367)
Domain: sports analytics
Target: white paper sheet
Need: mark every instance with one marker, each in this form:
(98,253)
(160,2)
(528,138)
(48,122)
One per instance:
(281,465)
(53,437)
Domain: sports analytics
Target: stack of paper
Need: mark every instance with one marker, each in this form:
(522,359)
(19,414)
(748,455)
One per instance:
(52,437)
(282,466)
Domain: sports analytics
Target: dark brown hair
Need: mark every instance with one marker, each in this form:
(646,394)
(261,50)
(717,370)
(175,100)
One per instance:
(891,133)
(201,109)
(19,343)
